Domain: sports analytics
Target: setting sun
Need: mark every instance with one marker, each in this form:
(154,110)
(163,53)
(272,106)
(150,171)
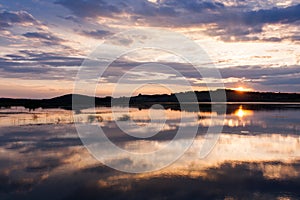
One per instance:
(242,89)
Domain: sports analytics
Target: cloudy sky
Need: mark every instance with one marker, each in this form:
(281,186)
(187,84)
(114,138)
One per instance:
(253,43)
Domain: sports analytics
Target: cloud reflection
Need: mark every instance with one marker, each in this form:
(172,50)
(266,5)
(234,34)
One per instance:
(41,159)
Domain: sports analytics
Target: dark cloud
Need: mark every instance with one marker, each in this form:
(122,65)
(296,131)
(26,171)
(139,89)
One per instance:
(273,39)
(295,38)
(263,75)
(274,15)
(192,8)
(45,37)
(193,5)
(25,69)
(241,24)
(98,34)
(224,21)
(39,65)
(291,80)
(91,8)
(8,18)
(119,67)
(286,78)
(51,59)
(71,18)
(257,72)
(142,8)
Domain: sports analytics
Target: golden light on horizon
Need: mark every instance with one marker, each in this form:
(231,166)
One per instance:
(242,89)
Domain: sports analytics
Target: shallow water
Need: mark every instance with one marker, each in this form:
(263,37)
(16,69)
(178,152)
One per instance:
(257,155)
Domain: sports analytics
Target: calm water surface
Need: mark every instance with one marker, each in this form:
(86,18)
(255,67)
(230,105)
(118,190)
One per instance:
(257,155)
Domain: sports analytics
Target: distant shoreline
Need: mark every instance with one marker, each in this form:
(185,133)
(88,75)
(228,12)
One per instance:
(202,97)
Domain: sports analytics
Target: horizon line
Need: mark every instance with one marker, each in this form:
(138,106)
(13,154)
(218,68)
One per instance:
(226,89)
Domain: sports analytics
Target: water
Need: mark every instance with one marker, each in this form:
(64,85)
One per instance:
(257,155)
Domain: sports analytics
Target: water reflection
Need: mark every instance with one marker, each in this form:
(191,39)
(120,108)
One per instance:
(242,112)
(257,157)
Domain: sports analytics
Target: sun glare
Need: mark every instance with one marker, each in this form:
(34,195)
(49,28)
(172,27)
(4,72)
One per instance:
(242,89)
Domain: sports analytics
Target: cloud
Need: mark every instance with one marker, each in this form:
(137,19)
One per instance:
(274,15)
(39,66)
(142,8)
(221,20)
(295,38)
(71,18)
(9,18)
(194,5)
(51,59)
(51,66)
(179,10)
(290,80)
(243,24)
(98,34)
(259,75)
(45,37)
(285,78)
(91,8)
(257,72)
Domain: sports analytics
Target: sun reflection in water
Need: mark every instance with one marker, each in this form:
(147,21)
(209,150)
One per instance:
(242,113)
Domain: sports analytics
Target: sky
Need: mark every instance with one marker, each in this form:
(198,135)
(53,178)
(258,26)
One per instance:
(254,44)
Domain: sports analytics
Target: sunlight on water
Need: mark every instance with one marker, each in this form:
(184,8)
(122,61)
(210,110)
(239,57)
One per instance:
(241,112)
(41,152)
